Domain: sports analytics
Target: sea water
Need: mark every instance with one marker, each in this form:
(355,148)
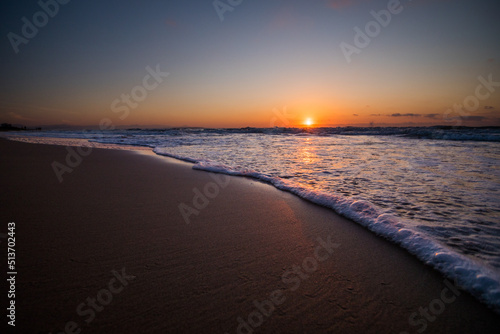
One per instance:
(434,191)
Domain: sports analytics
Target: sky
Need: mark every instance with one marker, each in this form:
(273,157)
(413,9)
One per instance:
(260,63)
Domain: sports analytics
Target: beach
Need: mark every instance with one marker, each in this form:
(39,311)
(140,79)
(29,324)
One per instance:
(130,242)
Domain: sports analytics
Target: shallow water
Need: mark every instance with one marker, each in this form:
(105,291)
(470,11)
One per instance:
(438,198)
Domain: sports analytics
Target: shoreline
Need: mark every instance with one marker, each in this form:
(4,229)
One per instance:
(477,278)
(234,252)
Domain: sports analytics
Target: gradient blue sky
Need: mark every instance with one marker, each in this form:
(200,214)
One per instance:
(264,56)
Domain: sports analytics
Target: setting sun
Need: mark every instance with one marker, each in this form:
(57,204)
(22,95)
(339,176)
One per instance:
(308,122)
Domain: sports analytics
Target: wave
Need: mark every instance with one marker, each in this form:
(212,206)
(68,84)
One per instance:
(472,276)
(435,132)
(488,134)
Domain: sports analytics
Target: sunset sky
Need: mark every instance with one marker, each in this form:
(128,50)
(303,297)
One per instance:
(267,63)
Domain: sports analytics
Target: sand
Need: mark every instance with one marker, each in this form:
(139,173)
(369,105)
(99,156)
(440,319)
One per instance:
(108,251)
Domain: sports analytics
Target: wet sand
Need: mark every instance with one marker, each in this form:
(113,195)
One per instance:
(107,250)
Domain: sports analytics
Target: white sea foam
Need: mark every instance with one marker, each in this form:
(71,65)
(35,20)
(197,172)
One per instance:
(478,279)
(425,189)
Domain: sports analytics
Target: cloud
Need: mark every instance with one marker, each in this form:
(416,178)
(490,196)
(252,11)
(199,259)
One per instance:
(489,107)
(474,118)
(284,19)
(490,60)
(24,107)
(290,17)
(341,4)
(425,2)
(171,23)
(433,116)
(19,117)
(355,114)
(404,115)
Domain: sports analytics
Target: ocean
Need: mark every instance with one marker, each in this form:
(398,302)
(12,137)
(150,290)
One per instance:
(435,191)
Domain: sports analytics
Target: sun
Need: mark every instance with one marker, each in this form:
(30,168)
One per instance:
(308,122)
